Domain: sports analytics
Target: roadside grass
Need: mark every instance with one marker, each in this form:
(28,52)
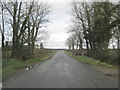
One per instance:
(91,61)
(12,66)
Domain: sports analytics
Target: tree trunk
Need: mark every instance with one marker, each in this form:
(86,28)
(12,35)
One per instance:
(73,46)
(91,47)
(77,45)
(2,28)
(87,44)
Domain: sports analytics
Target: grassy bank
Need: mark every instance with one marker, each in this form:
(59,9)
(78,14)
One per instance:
(12,66)
(91,61)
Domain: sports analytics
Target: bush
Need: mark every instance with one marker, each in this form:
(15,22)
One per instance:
(104,55)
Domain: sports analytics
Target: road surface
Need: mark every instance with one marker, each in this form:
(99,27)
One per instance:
(62,71)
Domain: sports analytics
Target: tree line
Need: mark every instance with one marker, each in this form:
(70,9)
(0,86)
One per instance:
(25,21)
(95,25)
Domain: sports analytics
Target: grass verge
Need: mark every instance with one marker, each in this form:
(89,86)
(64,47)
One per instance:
(12,66)
(91,61)
(94,62)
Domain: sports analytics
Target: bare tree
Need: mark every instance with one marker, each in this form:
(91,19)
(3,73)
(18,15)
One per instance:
(79,10)
(18,23)
(38,20)
(26,20)
(71,41)
(77,31)
(68,43)
(97,22)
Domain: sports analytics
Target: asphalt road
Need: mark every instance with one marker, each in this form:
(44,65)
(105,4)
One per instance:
(61,71)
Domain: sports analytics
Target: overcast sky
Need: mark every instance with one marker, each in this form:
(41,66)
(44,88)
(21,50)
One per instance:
(60,18)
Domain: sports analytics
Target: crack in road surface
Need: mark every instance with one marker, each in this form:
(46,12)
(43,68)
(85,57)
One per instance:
(62,71)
